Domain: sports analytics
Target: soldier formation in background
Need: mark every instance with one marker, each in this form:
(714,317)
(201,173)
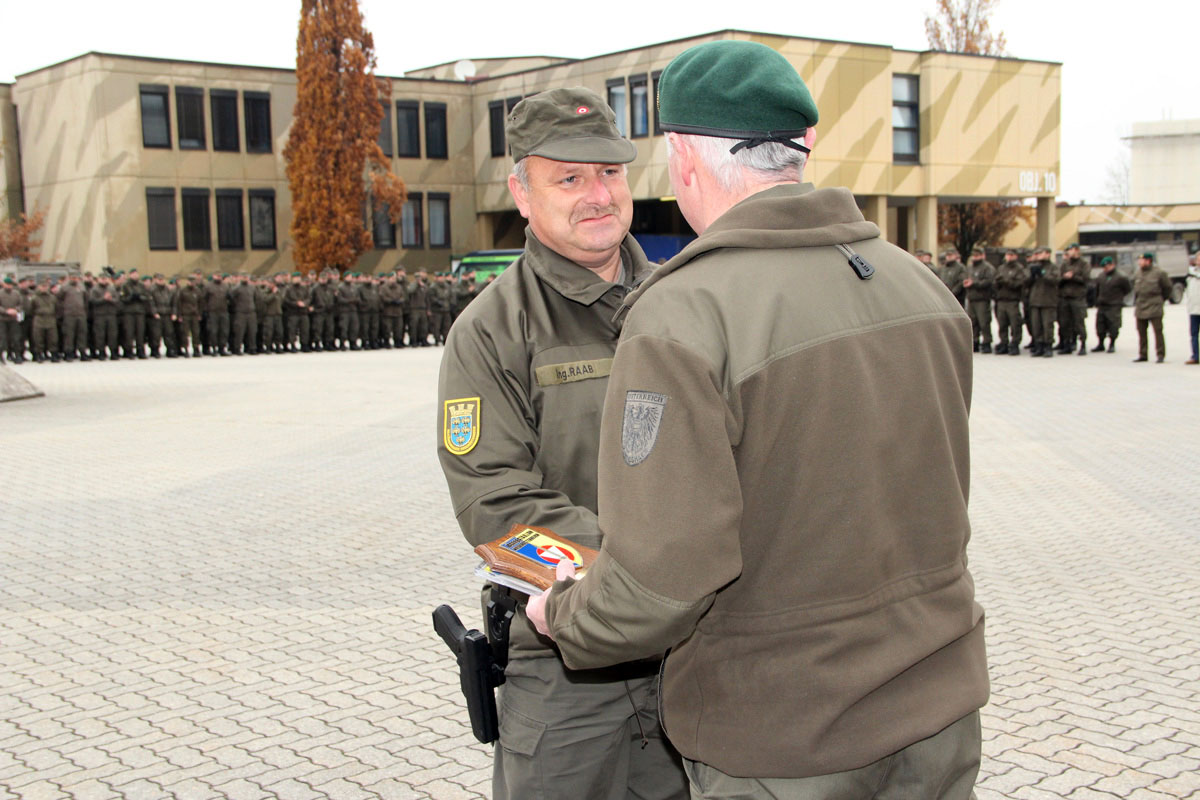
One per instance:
(1037,296)
(127,315)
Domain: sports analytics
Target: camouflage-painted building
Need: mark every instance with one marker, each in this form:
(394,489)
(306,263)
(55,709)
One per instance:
(170,166)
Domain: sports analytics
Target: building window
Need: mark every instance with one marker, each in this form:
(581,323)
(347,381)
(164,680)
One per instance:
(639,103)
(262,219)
(496,126)
(160,219)
(435,131)
(906,118)
(654,77)
(156,123)
(410,221)
(408,129)
(382,229)
(257,108)
(616,101)
(224,120)
(439,219)
(230,231)
(385,129)
(196,232)
(189,113)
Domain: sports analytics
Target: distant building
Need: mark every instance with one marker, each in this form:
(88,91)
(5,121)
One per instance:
(170,166)
(1164,165)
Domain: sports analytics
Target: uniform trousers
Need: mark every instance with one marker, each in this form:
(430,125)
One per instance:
(1043,323)
(245,332)
(104,335)
(298,325)
(133,333)
(418,328)
(218,331)
(980,312)
(74,335)
(440,326)
(1008,322)
(567,734)
(1108,322)
(189,334)
(942,767)
(45,338)
(1072,324)
(1160,345)
(272,331)
(348,326)
(370,328)
(392,330)
(12,341)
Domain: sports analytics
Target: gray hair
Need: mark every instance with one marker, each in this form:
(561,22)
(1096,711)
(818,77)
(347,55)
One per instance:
(770,162)
(521,172)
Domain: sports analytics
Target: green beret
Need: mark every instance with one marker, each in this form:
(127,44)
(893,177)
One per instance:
(573,124)
(1149,256)
(8,278)
(1104,262)
(736,90)
(1072,244)
(295,274)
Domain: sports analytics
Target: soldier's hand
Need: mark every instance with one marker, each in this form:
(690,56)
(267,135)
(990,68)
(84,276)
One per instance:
(1068,274)
(967,283)
(535,609)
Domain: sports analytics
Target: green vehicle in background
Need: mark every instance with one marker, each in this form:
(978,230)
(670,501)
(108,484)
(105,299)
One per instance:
(485,263)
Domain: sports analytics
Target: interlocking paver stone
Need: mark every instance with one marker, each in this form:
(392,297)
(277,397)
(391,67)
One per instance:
(216,578)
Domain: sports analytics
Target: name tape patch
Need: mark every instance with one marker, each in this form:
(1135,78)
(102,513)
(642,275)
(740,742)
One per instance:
(571,371)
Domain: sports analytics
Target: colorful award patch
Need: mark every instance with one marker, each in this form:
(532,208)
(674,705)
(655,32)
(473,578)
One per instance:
(542,549)
(460,425)
(639,428)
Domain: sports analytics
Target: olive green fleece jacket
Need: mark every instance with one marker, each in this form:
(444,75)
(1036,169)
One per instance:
(794,525)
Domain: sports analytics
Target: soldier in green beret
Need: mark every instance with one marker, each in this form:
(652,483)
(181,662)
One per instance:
(1111,289)
(297,312)
(1074,273)
(522,385)
(11,314)
(782,480)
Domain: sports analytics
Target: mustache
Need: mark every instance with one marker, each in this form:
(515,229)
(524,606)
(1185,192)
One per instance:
(593,212)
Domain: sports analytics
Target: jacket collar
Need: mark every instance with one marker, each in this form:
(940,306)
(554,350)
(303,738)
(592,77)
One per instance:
(577,283)
(784,216)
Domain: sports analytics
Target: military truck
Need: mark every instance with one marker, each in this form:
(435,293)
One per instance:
(1172,257)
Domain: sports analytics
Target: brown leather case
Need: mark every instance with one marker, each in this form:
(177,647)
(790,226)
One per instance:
(532,554)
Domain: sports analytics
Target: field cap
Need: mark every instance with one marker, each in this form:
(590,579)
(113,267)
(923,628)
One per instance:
(572,124)
(735,90)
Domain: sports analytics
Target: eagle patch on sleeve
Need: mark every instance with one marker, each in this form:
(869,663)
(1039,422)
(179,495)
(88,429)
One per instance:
(639,429)
(461,424)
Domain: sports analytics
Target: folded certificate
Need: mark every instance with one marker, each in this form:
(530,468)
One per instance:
(526,558)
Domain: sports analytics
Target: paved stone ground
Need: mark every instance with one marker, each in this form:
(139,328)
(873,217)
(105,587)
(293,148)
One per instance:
(202,592)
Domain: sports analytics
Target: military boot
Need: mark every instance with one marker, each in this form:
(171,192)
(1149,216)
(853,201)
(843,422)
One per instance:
(1112,345)
(1082,347)
(1002,349)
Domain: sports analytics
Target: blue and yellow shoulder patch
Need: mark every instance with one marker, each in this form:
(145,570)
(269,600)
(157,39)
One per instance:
(461,424)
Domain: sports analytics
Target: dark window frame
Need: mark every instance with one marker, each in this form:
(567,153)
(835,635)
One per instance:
(225,135)
(496,119)
(915,106)
(226,225)
(189,102)
(194,239)
(622,114)
(155,90)
(416,198)
(160,193)
(261,195)
(430,198)
(385,129)
(408,125)
(436,146)
(256,118)
(381,221)
(634,82)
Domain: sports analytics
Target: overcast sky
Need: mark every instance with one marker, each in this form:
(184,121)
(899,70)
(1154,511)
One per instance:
(1122,63)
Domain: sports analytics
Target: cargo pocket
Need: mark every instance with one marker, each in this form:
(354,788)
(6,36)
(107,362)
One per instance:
(519,733)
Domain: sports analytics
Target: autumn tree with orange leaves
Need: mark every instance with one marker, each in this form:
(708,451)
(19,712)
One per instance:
(18,238)
(964,26)
(333,156)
